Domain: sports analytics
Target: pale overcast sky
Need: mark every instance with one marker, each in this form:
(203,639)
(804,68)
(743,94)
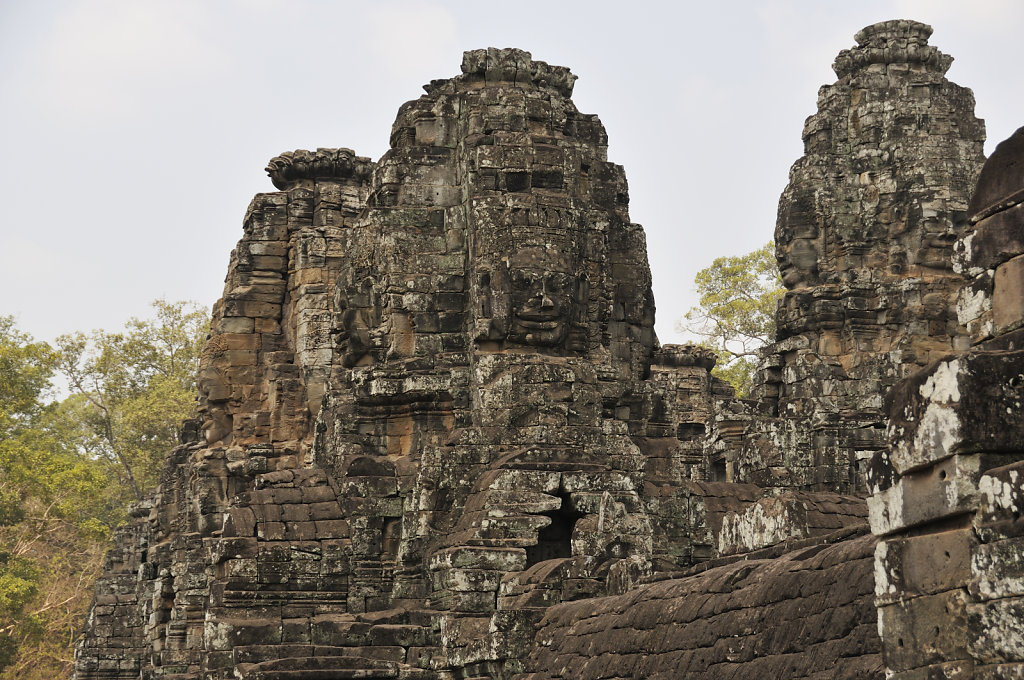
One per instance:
(134,132)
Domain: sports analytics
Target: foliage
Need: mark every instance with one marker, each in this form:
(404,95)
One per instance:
(19,583)
(736,315)
(131,390)
(50,501)
(63,484)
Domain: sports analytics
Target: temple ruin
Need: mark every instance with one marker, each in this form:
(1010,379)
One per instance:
(439,439)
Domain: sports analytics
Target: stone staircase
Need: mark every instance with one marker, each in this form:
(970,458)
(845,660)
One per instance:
(390,644)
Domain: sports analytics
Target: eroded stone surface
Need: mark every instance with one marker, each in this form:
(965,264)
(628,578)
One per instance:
(751,618)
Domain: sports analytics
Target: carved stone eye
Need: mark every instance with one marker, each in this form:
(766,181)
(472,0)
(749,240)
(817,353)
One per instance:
(521,280)
(560,283)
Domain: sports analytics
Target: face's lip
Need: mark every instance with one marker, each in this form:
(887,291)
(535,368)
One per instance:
(546,314)
(534,322)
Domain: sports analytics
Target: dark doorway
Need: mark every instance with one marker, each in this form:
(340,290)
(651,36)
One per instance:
(554,540)
(391,536)
(718,473)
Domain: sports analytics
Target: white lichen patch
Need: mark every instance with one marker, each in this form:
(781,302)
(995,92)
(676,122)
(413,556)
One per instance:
(938,432)
(999,495)
(943,385)
(998,570)
(936,437)
(765,523)
(953,492)
(885,510)
(884,586)
(1000,635)
(971,304)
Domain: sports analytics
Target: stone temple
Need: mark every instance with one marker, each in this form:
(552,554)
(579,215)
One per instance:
(440,440)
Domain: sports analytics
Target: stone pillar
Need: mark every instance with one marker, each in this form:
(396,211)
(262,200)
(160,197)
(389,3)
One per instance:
(947,496)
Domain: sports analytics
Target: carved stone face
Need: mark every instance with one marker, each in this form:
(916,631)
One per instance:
(797,244)
(544,293)
(542,306)
(355,318)
(798,263)
(213,397)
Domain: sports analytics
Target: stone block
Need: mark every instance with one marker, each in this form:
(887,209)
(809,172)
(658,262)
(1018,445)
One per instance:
(922,565)
(338,630)
(233,324)
(996,630)
(479,557)
(295,512)
(331,528)
(239,522)
(1002,492)
(1008,295)
(996,239)
(295,630)
(944,490)
(271,531)
(228,633)
(252,308)
(998,569)
(238,341)
(924,630)
(468,580)
(962,404)
(1000,179)
(398,635)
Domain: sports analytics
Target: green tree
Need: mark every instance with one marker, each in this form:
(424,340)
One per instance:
(132,389)
(70,469)
(736,314)
(52,502)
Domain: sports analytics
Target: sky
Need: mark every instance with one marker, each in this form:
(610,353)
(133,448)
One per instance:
(135,132)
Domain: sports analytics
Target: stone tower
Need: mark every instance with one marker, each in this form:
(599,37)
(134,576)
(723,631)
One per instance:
(495,323)
(864,241)
(432,403)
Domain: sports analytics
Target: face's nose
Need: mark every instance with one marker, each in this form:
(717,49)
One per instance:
(541,299)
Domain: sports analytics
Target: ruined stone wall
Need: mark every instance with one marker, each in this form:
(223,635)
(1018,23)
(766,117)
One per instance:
(864,241)
(261,380)
(947,495)
(266,364)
